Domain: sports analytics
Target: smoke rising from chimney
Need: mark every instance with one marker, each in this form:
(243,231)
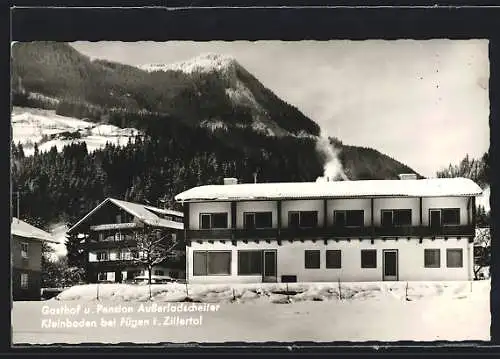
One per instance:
(332,169)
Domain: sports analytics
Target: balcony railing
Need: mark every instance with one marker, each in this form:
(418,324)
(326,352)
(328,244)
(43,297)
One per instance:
(112,226)
(330,232)
(111,244)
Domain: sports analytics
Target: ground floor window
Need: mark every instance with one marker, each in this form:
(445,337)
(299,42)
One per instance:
(312,259)
(159,272)
(369,258)
(249,262)
(333,258)
(454,258)
(102,276)
(432,258)
(24,280)
(211,263)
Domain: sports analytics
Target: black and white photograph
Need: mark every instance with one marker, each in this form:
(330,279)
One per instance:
(250,191)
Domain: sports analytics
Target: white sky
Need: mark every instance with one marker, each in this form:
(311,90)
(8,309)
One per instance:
(424,103)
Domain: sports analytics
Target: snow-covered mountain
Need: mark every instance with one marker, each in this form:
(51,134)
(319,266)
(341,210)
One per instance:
(209,62)
(45,128)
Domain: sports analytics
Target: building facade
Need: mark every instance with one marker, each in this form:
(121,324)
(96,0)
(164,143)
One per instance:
(26,259)
(407,229)
(108,237)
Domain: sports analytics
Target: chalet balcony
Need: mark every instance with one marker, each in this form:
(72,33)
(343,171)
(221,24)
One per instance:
(331,232)
(113,226)
(110,244)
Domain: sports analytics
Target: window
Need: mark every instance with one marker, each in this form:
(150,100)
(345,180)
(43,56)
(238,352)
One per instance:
(101,237)
(450,216)
(312,259)
(126,255)
(350,218)
(24,250)
(102,276)
(102,256)
(303,219)
(396,217)
(249,262)
(368,258)
(333,259)
(454,258)
(432,258)
(258,220)
(24,280)
(158,272)
(118,218)
(211,263)
(213,220)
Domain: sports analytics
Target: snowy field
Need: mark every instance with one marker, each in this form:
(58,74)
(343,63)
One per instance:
(316,312)
(30,125)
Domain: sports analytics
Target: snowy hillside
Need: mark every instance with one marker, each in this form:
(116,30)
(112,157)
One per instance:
(484,199)
(204,63)
(58,232)
(46,129)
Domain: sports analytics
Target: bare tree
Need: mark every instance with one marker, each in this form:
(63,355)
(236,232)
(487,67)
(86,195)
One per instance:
(482,250)
(152,247)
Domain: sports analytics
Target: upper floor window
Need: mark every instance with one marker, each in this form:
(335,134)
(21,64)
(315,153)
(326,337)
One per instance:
(258,220)
(24,280)
(396,217)
(350,218)
(102,256)
(213,220)
(444,217)
(303,219)
(118,218)
(24,250)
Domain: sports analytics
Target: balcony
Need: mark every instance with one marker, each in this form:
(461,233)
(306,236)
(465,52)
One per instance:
(113,226)
(110,244)
(330,232)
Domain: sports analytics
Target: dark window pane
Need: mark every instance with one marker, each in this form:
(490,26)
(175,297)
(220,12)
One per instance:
(451,216)
(312,259)
(432,258)
(264,220)
(386,219)
(333,259)
(294,219)
(199,263)
(205,221)
(339,219)
(435,218)
(402,217)
(249,220)
(454,258)
(219,263)
(219,220)
(308,219)
(249,262)
(355,218)
(369,258)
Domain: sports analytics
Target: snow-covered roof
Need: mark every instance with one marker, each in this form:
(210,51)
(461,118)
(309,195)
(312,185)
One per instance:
(143,213)
(435,187)
(25,230)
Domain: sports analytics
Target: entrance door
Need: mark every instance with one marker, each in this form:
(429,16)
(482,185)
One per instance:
(435,218)
(390,264)
(269,274)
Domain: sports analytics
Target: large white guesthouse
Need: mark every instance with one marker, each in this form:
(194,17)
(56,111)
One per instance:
(408,229)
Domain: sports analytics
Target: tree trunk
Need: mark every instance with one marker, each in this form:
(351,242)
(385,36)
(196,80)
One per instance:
(149,281)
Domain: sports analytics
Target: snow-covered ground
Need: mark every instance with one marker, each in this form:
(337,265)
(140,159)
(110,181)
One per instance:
(31,125)
(451,311)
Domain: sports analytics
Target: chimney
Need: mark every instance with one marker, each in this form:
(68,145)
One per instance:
(228,181)
(407,176)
